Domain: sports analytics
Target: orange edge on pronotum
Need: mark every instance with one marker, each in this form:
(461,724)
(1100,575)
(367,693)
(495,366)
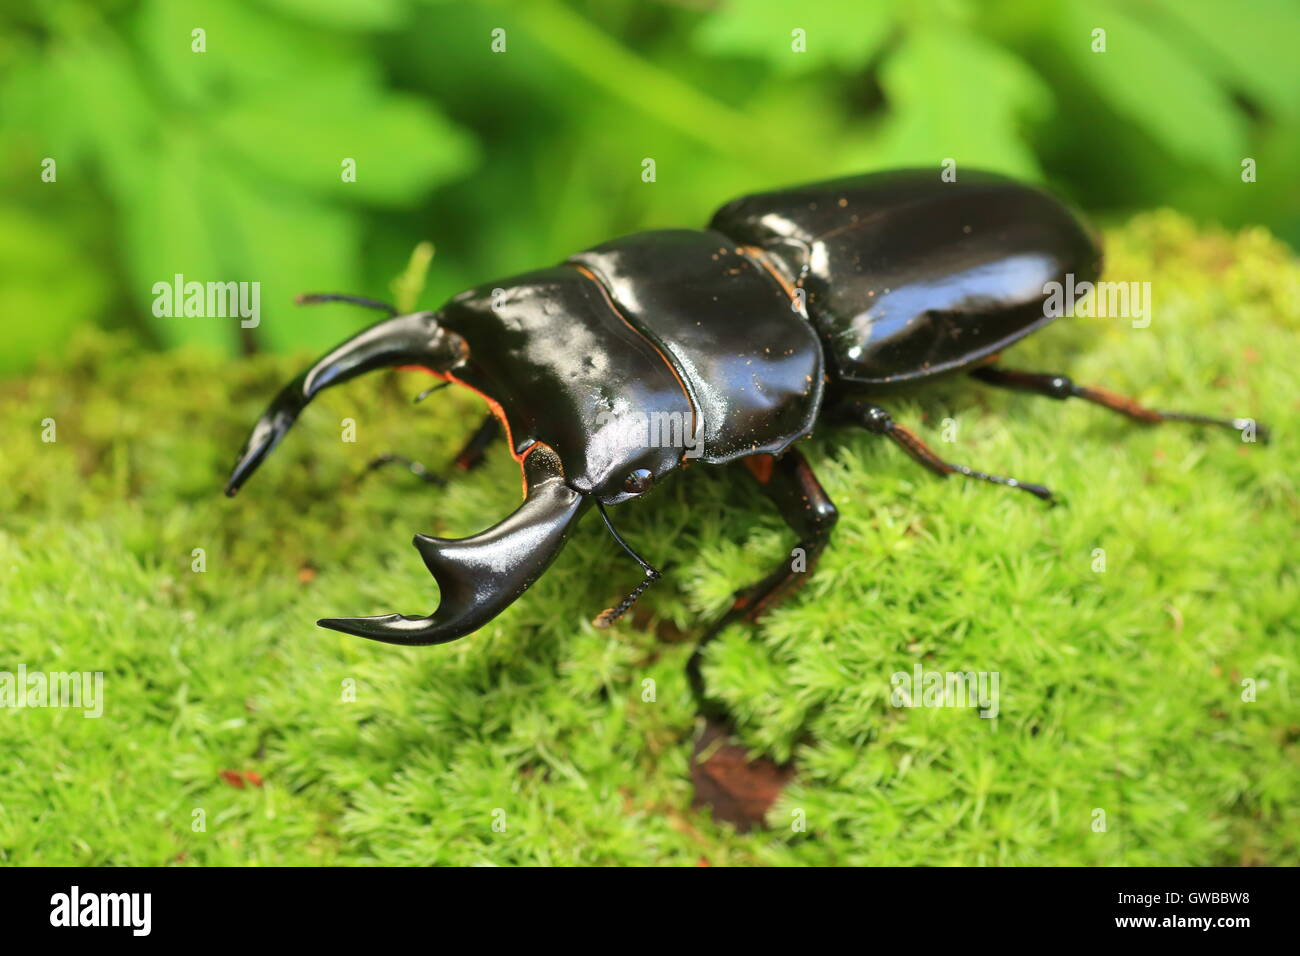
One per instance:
(494,407)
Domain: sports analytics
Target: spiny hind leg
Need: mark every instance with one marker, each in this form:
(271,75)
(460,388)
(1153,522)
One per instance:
(737,789)
(878,421)
(1060,387)
(791,485)
(467,459)
(471,455)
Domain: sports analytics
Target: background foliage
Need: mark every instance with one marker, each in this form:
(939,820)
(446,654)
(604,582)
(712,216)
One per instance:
(226,164)
(1121,690)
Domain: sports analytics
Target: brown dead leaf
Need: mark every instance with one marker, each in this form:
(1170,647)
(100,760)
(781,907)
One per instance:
(738,790)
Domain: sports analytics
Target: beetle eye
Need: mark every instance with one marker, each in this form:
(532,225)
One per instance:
(638,481)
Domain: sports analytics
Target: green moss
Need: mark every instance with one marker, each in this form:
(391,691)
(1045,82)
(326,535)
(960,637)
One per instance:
(1121,690)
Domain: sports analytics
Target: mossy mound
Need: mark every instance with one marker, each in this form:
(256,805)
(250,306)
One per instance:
(1126,691)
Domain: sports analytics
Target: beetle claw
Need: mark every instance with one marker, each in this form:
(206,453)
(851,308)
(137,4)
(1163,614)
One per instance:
(1041,492)
(401,340)
(389,628)
(480,576)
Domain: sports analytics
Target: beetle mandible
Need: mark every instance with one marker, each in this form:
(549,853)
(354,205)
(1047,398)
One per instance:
(796,306)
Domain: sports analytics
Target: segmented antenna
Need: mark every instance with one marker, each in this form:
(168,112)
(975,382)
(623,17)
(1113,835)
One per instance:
(611,614)
(316,298)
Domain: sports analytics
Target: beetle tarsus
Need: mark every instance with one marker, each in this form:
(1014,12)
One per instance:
(611,614)
(1243,426)
(410,464)
(878,421)
(1038,491)
(1061,387)
(467,459)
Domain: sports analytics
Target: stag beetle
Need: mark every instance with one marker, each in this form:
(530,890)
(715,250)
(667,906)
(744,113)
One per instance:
(795,306)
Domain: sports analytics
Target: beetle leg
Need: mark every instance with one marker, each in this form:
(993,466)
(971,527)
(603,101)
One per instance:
(1061,388)
(410,464)
(877,421)
(467,459)
(791,485)
(471,455)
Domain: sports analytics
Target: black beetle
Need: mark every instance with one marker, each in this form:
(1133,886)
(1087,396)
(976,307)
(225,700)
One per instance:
(794,306)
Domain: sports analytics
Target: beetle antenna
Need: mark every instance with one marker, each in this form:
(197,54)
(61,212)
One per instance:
(429,391)
(611,614)
(316,298)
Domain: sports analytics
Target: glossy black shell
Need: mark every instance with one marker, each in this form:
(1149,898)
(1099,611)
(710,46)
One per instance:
(677,324)
(750,363)
(908,276)
(708,334)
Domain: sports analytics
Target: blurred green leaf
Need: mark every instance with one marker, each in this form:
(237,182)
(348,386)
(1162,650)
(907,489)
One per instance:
(348,14)
(1155,84)
(165,224)
(289,244)
(400,145)
(97,84)
(214,177)
(248,51)
(47,287)
(845,36)
(170,231)
(1252,48)
(953,95)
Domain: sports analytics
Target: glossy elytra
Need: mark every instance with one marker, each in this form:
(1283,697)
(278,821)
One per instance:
(794,307)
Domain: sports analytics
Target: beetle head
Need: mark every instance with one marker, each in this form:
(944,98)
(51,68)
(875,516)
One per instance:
(563,368)
(478,576)
(624,472)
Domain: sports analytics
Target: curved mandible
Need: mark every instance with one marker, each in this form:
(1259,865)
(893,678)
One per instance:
(480,576)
